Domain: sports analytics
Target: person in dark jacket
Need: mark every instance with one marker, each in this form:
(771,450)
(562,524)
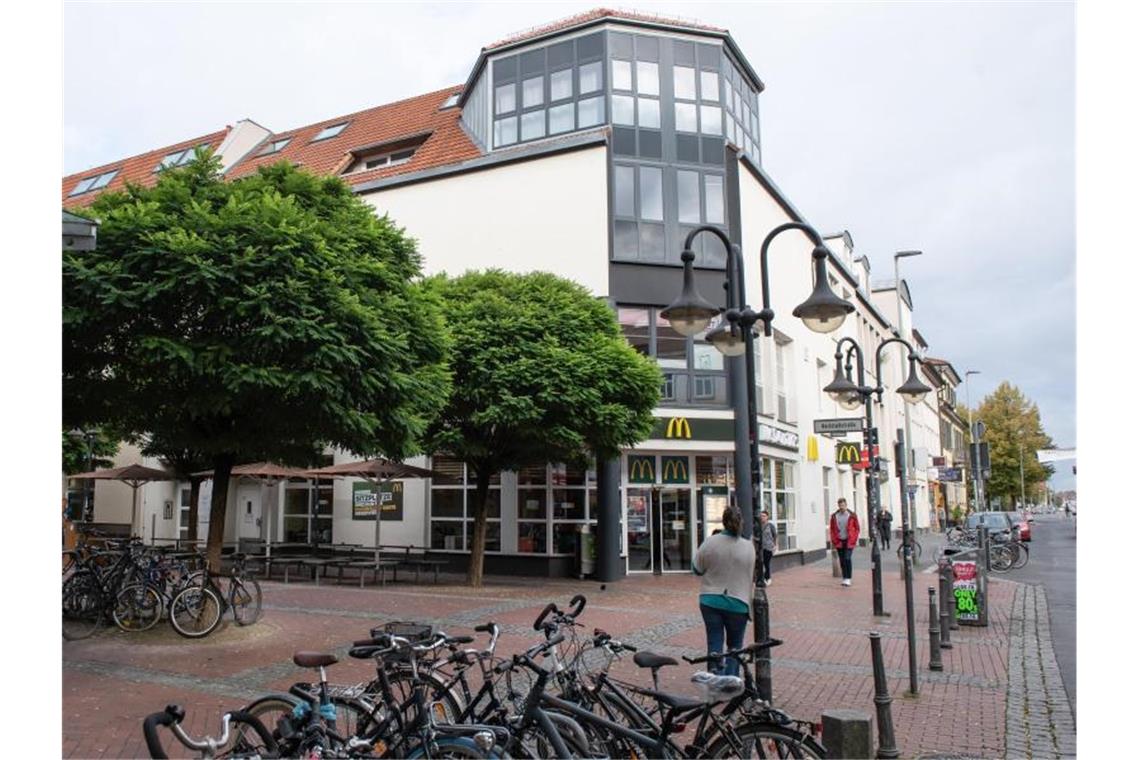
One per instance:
(766,534)
(885,520)
(844,529)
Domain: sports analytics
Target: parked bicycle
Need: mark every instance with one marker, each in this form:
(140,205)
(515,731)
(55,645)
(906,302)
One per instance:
(198,608)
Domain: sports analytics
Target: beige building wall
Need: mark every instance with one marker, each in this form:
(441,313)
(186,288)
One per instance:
(555,207)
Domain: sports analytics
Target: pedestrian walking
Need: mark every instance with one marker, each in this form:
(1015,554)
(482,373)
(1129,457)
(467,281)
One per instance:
(725,563)
(885,519)
(767,538)
(844,531)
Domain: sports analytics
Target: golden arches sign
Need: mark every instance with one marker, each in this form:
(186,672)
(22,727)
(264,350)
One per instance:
(674,469)
(678,427)
(847,453)
(641,469)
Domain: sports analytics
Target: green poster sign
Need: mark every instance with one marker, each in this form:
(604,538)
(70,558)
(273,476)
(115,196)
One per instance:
(675,470)
(391,501)
(642,468)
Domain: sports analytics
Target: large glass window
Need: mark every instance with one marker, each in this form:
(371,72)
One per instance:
(622,75)
(532,90)
(505,98)
(590,77)
(591,112)
(554,501)
(693,370)
(652,203)
(648,79)
(562,118)
(779,498)
(562,84)
(623,110)
(452,507)
(533,124)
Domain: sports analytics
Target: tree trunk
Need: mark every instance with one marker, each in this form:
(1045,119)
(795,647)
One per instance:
(223,465)
(479,530)
(195,491)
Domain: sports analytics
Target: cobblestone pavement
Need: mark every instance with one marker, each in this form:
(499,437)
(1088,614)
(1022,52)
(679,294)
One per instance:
(110,682)
(1039,721)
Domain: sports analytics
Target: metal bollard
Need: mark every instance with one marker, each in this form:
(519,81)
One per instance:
(951,606)
(887,747)
(947,615)
(761,632)
(935,631)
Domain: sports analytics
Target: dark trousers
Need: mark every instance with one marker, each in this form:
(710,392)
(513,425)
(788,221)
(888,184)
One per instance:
(718,623)
(766,554)
(845,562)
(885,534)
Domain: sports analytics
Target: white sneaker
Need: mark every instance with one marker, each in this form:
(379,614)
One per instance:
(846,582)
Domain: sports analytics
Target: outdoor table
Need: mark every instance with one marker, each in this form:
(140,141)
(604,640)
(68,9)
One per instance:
(365,565)
(315,564)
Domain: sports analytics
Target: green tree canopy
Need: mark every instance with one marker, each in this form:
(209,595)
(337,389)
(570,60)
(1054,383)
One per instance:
(1014,432)
(260,318)
(78,457)
(541,374)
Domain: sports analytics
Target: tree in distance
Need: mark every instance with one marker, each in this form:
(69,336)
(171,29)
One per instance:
(1014,433)
(256,319)
(541,373)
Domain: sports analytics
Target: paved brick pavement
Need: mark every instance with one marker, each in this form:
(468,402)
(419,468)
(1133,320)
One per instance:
(975,707)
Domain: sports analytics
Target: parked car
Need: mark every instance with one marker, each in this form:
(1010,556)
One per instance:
(996,522)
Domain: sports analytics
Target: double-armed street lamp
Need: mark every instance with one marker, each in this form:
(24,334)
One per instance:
(850,396)
(690,314)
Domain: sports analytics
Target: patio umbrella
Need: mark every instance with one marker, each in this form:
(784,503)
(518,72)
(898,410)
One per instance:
(134,475)
(269,472)
(377,471)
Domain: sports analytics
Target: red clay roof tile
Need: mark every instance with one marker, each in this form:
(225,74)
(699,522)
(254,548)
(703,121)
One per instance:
(446,143)
(137,169)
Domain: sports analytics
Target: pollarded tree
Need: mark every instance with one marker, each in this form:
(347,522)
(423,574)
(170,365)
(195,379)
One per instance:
(255,319)
(1014,432)
(541,373)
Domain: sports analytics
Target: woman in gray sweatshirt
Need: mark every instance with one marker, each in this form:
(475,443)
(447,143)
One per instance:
(725,563)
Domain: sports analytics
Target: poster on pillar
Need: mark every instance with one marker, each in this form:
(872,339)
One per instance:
(391,501)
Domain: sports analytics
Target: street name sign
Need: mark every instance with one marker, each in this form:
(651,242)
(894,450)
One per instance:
(838,425)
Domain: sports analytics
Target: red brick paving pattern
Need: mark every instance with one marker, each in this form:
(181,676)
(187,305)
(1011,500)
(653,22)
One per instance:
(112,681)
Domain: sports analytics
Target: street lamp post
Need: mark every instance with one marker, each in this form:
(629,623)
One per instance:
(908,504)
(849,396)
(970,434)
(690,314)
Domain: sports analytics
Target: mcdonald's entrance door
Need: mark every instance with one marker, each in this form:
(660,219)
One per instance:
(659,529)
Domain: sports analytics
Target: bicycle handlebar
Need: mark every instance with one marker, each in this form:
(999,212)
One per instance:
(172,718)
(551,607)
(750,649)
(578,602)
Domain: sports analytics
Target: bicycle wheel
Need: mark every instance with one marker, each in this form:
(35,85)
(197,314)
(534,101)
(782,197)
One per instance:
(138,607)
(251,738)
(195,612)
(445,703)
(83,606)
(269,710)
(1001,558)
(915,552)
(245,599)
(456,747)
(768,740)
(1022,557)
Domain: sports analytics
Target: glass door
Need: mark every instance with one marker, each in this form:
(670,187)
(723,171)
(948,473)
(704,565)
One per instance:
(675,529)
(639,539)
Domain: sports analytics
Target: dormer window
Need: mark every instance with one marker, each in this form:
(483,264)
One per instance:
(98,182)
(330,131)
(178,157)
(275,146)
(450,102)
(388,153)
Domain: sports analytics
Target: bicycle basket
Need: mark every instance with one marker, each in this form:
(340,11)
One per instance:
(716,688)
(417,633)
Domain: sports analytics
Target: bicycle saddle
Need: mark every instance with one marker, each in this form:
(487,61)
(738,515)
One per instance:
(672,700)
(313,659)
(650,660)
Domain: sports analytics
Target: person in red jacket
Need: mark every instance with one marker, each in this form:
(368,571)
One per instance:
(844,536)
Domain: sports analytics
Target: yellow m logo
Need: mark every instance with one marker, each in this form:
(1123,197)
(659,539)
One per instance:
(678,428)
(641,470)
(675,470)
(847,453)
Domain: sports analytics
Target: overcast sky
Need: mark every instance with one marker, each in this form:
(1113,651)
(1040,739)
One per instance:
(943,127)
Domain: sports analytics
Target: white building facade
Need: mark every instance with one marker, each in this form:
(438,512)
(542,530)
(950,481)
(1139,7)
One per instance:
(600,143)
